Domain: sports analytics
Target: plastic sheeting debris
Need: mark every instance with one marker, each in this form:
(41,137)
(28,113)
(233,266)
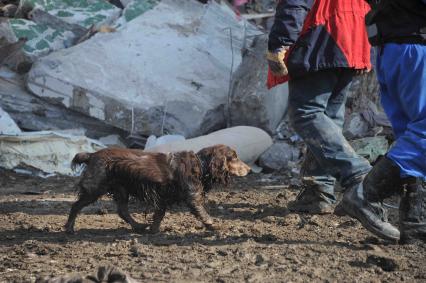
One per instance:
(50,152)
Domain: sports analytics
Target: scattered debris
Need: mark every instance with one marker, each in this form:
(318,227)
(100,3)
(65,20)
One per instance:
(7,125)
(50,152)
(122,35)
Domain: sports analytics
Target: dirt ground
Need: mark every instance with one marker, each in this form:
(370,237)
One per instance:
(260,241)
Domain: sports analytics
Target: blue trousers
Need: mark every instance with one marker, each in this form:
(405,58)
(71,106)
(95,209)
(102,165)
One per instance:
(316,112)
(401,71)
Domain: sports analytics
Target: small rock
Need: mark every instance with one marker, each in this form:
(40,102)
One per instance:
(259,260)
(269,219)
(279,156)
(214,264)
(135,251)
(371,147)
(355,126)
(385,262)
(314,220)
(292,220)
(222,253)
(347,224)
(102,211)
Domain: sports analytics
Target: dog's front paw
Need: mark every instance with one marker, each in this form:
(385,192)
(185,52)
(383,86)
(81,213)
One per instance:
(140,228)
(213,227)
(154,229)
(69,230)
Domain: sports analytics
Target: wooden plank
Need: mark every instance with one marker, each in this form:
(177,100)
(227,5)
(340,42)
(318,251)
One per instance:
(257,16)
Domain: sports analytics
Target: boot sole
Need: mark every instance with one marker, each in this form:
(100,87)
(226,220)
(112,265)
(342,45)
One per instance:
(312,211)
(341,211)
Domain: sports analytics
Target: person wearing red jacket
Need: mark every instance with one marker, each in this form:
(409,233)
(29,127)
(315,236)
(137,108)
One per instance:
(325,44)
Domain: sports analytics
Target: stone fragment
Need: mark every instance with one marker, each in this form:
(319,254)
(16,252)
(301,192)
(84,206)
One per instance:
(279,156)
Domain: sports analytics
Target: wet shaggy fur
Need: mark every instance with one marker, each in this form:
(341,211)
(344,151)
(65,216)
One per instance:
(155,178)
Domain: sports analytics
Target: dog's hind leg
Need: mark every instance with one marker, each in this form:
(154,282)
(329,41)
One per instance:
(158,216)
(83,200)
(121,197)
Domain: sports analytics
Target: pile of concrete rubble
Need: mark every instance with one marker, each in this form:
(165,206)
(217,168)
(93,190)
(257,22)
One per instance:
(79,75)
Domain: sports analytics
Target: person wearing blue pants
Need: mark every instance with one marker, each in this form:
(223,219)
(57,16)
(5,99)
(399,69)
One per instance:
(398,28)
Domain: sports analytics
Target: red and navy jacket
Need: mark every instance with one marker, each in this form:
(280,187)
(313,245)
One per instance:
(322,34)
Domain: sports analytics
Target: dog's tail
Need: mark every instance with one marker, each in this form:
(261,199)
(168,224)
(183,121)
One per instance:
(80,158)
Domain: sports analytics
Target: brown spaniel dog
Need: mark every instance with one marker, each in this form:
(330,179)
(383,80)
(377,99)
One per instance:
(155,178)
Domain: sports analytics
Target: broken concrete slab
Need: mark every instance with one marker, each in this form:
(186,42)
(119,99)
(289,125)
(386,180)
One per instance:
(40,40)
(249,142)
(41,17)
(7,125)
(252,103)
(174,64)
(55,25)
(33,114)
(50,152)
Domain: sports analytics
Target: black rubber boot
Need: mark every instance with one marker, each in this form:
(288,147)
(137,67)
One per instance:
(412,212)
(311,201)
(383,181)
(363,200)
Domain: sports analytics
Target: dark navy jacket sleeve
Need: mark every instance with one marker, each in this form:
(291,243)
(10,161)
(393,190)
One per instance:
(289,18)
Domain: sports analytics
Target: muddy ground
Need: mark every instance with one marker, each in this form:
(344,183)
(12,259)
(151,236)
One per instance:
(260,240)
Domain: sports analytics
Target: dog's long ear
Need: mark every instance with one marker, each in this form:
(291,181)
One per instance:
(187,165)
(218,167)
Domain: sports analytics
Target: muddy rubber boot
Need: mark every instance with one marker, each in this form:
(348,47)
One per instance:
(312,202)
(412,212)
(363,200)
